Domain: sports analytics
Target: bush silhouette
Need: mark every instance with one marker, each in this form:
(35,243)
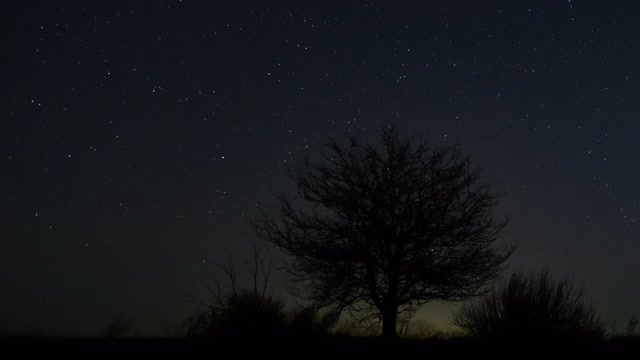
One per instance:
(244,313)
(309,320)
(249,313)
(238,310)
(118,328)
(531,307)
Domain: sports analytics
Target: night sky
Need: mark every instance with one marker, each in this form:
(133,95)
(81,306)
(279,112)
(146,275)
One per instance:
(138,139)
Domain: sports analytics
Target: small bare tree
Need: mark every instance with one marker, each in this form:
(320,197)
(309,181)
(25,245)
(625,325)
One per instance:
(235,309)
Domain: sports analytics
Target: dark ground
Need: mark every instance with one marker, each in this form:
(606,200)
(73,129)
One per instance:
(318,346)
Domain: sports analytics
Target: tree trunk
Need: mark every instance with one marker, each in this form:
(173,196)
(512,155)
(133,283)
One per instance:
(389,320)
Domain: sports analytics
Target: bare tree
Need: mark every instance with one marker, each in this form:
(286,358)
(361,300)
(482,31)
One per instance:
(234,309)
(531,307)
(387,229)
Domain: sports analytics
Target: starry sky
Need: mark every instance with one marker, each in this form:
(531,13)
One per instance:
(138,138)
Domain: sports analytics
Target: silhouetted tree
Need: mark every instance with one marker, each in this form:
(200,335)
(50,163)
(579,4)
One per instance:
(533,306)
(386,229)
(238,310)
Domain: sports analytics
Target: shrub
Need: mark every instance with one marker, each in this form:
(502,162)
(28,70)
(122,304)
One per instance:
(244,313)
(533,306)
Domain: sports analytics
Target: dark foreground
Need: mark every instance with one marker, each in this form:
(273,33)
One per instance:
(315,347)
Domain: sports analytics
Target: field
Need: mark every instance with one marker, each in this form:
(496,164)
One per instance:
(323,346)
